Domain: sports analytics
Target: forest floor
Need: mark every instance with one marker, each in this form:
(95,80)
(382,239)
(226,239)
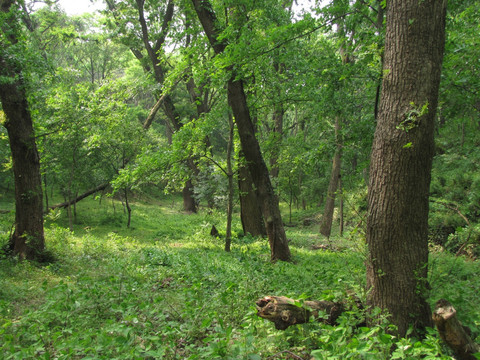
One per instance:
(165,289)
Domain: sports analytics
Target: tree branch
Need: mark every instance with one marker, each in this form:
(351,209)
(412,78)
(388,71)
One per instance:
(80,197)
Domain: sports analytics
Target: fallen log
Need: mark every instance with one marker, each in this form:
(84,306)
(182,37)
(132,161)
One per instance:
(80,197)
(452,332)
(284,312)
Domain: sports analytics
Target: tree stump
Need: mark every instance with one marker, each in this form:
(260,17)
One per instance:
(452,332)
(284,312)
(214,232)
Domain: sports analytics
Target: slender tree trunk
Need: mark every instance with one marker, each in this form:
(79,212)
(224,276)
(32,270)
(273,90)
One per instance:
(279,249)
(228,237)
(45,183)
(27,240)
(129,209)
(327,218)
(69,192)
(75,210)
(277,132)
(401,160)
(340,210)
(69,213)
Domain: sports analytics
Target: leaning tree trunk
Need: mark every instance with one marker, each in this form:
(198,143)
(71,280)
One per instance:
(251,149)
(401,160)
(259,171)
(28,238)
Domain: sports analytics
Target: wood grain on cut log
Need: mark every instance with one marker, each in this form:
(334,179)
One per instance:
(284,312)
(452,332)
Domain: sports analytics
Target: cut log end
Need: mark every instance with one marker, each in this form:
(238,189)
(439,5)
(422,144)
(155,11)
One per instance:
(452,332)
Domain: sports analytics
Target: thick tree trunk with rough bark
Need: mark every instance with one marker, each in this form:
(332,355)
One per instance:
(401,159)
(250,211)
(28,238)
(251,149)
(258,169)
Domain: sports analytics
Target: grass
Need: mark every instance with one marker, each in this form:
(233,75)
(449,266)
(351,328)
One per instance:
(165,289)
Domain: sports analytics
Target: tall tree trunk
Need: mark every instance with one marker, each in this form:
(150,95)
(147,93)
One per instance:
(228,237)
(327,218)
(279,249)
(27,240)
(277,132)
(277,238)
(379,26)
(250,211)
(401,160)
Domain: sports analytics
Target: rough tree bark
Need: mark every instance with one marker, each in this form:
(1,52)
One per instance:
(250,211)
(401,159)
(27,240)
(258,169)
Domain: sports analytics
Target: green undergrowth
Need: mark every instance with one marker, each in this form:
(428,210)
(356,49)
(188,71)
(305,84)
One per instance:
(165,289)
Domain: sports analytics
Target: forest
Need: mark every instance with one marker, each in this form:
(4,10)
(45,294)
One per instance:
(240,179)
